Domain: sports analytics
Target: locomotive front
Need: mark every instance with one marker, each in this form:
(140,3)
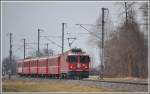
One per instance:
(78,64)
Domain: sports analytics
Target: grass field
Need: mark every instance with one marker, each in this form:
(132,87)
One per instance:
(120,79)
(47,86)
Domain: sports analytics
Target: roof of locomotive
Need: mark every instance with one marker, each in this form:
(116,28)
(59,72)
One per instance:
(80,52)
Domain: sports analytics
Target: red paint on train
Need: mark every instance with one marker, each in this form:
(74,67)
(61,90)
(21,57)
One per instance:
(69,64)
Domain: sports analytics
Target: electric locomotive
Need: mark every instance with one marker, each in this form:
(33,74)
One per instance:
(75,64)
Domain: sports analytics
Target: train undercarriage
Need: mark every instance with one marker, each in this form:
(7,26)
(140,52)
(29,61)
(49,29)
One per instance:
(68,75)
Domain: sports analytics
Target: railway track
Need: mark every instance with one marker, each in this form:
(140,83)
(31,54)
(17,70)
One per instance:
(90,80)
(118,85)
(122,82)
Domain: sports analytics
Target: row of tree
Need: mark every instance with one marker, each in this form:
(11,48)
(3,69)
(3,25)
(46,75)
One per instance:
(126,47)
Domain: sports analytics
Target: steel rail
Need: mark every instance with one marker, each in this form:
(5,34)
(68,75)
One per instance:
(123,82)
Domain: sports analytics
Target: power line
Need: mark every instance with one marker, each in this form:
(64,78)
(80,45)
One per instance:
(52,36)
(81,25)
(32,43)
(30,48)
(53,42)
(77,33)
(19,48)
(89,24)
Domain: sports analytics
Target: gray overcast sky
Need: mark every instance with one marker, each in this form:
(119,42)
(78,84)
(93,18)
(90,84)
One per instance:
(24,18)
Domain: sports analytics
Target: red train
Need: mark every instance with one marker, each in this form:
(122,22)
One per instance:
(72,64)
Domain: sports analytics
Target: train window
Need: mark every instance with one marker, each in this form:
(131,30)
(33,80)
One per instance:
(84,59)
(72,59)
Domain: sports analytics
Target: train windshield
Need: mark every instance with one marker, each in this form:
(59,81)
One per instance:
(84,59)
(72,59)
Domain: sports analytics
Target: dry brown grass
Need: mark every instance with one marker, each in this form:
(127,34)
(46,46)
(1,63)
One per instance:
(119,79)
(46,86)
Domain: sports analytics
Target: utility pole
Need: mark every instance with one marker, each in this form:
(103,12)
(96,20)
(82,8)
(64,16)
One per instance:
(63,24)
(10,56)
(102,57)
(126,12)
(38,42)
(47,49)
(102,35)
(24,40)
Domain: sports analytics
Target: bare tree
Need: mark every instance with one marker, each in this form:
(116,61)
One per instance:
(144,9)
(125,9)
(125,48)
(126,52)
(6,65)
(95,36)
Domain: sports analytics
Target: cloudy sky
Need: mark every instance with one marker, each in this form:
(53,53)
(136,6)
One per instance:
(24,18)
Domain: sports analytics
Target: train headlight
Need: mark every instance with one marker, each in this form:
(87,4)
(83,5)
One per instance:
(71,67)
(86,67)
